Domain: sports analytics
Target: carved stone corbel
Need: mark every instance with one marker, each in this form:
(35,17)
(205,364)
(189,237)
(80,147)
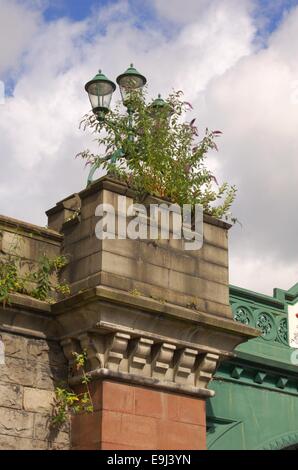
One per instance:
(140,356)
(206,369)
(116,350)
(184,365)
(162,360)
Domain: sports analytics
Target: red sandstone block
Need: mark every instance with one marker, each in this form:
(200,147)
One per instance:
(139,418)
(179,436)
(149,403)
(186,409)
(128,429)
(118,397)
(86,430)
(95,389)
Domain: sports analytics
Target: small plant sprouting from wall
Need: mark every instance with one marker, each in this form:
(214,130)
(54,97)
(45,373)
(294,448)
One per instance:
(158,152)
(67,401)
(45,286)
(40,281)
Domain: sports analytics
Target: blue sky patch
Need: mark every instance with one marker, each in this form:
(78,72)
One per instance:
(73,9)
(268,13)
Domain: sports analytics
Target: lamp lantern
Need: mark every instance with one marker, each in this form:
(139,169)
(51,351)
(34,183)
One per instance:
(100,90)
(130,81)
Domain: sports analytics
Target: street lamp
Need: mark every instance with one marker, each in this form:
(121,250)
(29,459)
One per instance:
(160,109)
(128,82)
(100,90)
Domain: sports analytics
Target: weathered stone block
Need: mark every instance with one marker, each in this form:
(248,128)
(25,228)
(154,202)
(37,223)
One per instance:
(215,235)
(74,233)
(213,272)
(18,371)
(86,247)
(38,401)
(18,443)
(201,288)
(126,248)
(29,246)
(45,352)
(214,255)
(83,268)
(16,423)
(15,346)
(11,396)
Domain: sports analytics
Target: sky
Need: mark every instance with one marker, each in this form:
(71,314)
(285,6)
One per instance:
(236,61)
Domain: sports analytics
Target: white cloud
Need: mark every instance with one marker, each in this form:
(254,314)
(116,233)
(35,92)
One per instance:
(211,55)
(252,104)
(193,11)
(18,25)
(270,274)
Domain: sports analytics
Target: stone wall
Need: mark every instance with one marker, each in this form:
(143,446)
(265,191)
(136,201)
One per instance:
(27,380)
(33,360)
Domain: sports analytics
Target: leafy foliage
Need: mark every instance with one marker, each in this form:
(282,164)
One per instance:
(9,280)
(67,401)
(41,282)
(162,154)
(46,269)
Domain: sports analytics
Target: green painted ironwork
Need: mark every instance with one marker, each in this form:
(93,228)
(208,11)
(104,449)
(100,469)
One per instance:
(96,165)
(256,401)
(131,73)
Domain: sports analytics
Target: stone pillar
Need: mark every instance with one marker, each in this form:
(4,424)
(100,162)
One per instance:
(154,320)
(128,416)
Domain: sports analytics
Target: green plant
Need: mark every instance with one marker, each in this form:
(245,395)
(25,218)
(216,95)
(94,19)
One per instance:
(40,282)
(74,215)
(67,401)
(160,153)
(47,268)
(9,280)
(10,265)
(135,292)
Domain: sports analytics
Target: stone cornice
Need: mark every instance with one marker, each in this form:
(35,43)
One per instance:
(25,302)
(25,315)
(150,305)
(145,381)
(25,228)
(141,340)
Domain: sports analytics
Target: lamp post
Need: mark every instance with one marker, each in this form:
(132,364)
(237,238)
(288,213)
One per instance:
(159,108)
(100,90)
(130,81)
